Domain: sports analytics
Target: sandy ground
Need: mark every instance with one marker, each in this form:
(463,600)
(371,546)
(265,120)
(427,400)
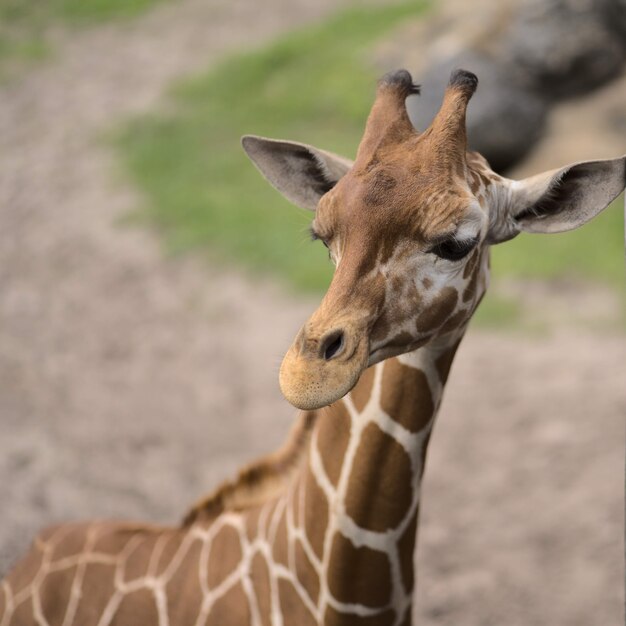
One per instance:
(131,383)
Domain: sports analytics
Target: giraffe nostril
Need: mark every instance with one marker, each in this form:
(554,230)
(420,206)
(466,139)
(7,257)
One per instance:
(332,345)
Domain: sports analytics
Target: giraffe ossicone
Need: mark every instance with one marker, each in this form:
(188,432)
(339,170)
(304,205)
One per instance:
(322,532)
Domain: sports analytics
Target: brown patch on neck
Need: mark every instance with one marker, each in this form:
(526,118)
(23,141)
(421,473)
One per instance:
(316,514)
(358,575)
(260,481)
(380,486)
(406,396)
(333,436)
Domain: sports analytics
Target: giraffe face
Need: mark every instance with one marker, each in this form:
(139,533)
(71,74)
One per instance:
(405,233)
(410,266)
(408,225)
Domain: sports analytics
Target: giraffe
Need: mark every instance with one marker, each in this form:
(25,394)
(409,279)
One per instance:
(323,531)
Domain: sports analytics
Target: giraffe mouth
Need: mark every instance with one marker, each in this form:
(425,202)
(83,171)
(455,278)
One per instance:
(395,348)
(380,354)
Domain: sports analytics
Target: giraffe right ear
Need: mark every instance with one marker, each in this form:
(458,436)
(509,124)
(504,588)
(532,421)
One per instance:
(559,200)
(302,173)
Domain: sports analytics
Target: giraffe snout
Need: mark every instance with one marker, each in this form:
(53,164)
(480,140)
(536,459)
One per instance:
(321,367)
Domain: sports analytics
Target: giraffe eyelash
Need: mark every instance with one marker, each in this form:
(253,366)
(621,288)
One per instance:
(315,236)
(454,249)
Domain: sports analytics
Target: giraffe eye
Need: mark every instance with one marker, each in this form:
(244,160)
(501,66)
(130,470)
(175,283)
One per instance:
(453,249)
(316,237)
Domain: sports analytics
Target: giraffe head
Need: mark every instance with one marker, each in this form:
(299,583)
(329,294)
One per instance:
(408,226)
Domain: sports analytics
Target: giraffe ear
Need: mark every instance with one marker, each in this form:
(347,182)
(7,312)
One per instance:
(561,199)
(302,173)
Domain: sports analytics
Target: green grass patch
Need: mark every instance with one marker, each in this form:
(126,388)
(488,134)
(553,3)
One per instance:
(25,24)
(315,86)
(22,12)
(82,11)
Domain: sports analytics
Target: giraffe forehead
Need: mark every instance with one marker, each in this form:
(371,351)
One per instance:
(385,202)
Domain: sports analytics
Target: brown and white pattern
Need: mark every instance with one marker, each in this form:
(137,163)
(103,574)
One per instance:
(322,552)
(323,531)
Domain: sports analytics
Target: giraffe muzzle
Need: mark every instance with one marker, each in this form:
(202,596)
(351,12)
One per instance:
(318,370)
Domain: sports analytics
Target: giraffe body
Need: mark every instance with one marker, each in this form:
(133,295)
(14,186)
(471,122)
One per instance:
(295,559)
(323,531)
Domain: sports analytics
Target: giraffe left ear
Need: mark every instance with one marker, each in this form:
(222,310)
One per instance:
(302,173)
(561,199)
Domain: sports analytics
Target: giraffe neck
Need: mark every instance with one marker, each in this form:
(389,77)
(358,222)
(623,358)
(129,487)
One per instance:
(362,486)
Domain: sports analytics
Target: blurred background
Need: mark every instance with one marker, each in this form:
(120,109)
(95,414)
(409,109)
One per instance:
(150,281)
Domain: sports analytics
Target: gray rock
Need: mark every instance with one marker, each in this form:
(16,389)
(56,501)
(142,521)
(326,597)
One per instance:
(566,47)
(615,15)
(504,118)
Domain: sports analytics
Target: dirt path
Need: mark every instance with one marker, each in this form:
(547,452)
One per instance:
(103,342)
(130,384)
